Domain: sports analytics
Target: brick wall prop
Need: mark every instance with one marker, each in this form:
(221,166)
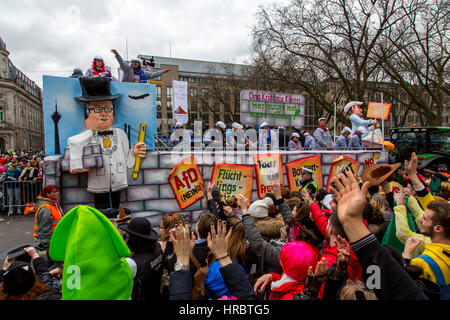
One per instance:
(151,194)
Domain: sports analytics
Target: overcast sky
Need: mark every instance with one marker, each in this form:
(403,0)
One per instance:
(53,37)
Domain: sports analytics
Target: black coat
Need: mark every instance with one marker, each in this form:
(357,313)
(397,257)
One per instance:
(148,276)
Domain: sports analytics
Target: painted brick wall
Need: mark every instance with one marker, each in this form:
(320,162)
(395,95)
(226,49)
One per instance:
(151,195)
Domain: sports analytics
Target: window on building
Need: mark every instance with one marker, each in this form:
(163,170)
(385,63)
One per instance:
(158,104)
(2,96)
(193,92)
(169,92)
(194,104)
(1,115)
(169,104)
(205,93)
(227,95)
(158,93)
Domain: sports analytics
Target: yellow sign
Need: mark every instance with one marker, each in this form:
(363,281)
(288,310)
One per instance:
(293,172)
(156,82)
(376,109)
(342,164)
(186,182)
(268,168)
(233,179)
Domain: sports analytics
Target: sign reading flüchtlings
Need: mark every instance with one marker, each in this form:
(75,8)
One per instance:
(277,109)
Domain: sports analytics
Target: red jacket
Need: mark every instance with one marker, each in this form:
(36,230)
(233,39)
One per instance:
(330,253)
(286,291)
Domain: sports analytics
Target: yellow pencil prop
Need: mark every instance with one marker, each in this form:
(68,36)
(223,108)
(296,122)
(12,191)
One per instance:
(137,164)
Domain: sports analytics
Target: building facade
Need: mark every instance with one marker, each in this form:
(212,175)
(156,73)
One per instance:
(214,94)
(21,125)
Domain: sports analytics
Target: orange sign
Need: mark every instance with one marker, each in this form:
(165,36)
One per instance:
(342,164)
(376,109)
(186,182)
(293,172)
(268,168)
(233,179)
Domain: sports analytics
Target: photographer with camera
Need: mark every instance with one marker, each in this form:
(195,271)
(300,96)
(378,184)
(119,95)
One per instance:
(134,72)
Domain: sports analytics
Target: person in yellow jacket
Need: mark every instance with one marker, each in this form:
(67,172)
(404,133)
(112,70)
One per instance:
(435,259)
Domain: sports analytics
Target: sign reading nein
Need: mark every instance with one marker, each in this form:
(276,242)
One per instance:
(277,109)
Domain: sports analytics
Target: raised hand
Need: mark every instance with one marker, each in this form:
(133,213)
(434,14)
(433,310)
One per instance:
(114,51)
(399,198)
(244,204)
(276,189)
(315,279)
(350,197)
(351,201)
(411,167)
(218,241)
(411,245)
(183,242)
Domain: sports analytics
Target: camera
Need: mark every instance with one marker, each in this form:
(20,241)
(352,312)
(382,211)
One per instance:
(149,62)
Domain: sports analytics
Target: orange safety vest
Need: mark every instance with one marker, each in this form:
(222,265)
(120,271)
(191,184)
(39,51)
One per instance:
(57,215)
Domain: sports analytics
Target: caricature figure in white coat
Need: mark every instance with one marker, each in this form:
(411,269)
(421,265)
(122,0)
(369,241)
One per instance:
(106,182)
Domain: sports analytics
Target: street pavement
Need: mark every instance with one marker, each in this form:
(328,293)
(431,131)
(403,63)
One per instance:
(15,230)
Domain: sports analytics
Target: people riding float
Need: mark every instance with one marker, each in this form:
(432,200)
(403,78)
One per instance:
(106,182)
(98,68)
(294,143)
(323,141)
(216,136)
(310,143)
(355,142)
(343,140)
(355,111)
(134,72)
(308,182)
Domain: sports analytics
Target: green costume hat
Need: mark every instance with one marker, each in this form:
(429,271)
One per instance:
(94,254)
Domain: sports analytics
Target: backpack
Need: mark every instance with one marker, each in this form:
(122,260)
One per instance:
(445,293)
(198,289)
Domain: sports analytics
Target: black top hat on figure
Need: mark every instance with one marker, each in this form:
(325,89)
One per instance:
(96,89)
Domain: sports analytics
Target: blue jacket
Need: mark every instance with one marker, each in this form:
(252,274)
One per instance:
(355,142)
(341,143)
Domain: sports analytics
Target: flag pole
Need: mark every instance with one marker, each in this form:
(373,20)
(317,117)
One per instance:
(334,135)
(382,119)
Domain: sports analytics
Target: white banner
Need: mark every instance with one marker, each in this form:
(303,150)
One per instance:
(179,101)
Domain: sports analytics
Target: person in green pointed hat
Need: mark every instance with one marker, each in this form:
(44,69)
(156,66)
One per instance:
(94,255)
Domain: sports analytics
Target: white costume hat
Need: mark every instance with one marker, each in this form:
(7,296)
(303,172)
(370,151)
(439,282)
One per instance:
(347,129)
(237,125)
(221,124)
(351,104)
(320,119)
(98,58)
(295,134)
(264,124)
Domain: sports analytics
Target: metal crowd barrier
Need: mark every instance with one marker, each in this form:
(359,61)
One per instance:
(21,192)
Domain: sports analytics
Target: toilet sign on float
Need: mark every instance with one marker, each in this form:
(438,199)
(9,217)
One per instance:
(268,168)
(186,182)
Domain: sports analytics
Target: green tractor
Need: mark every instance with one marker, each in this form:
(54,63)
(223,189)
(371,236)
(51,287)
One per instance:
(431,144)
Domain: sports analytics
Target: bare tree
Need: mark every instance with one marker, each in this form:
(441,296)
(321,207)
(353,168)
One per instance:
(339,50)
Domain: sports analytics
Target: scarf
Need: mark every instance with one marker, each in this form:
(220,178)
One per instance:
(284,279)
(142,76)
(323,128)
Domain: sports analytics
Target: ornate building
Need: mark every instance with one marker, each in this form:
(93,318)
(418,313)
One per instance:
(21,125)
